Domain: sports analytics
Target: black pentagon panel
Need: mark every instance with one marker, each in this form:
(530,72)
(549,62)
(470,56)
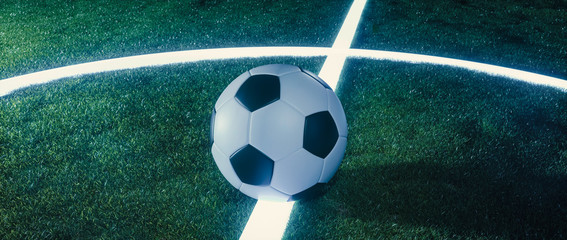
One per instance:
(310,193)
(258,91)
(252,166)
(317,78)
(320,134)
(212,137)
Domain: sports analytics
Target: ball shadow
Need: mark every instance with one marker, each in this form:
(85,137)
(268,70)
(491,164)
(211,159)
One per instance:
(462,199)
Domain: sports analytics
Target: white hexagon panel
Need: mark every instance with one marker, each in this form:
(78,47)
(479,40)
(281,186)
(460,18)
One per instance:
(231,127)
(301,91)
(297,172)
(277,129)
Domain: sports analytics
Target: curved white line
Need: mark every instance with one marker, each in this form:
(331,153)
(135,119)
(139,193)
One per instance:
(159,59)
(149,60)
(490,69)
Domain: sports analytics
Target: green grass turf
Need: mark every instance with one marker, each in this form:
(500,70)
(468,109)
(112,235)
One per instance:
(38,35)
(436,152)
(120,155)
(433,152)
(524,34)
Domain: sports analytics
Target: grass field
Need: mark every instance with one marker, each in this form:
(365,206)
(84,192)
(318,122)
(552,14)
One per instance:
(521,34)
(434,152)
(40,35)
(120,154)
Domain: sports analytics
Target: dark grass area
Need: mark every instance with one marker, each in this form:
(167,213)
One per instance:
(528,35)
(120,155)
(38,35)
(438,152)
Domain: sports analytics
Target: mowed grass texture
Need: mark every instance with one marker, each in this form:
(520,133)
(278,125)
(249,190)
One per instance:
(38,35)
(442,153)
(522,34)
(433,152)
(120,155)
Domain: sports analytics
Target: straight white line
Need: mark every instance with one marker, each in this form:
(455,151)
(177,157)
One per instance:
(268,220)
(263,221)
(333,66)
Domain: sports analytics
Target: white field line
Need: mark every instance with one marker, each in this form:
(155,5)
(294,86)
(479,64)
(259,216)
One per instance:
(489,69)
(333,66)
(149,60)
(270,222)
(159,59)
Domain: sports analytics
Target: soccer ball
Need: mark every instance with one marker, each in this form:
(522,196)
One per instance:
(278,132)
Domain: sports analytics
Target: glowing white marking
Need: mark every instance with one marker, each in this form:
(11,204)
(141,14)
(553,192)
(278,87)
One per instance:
(265,225)
(159,59)
(149,60)
(268,220)
(489,69)
(333,66)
